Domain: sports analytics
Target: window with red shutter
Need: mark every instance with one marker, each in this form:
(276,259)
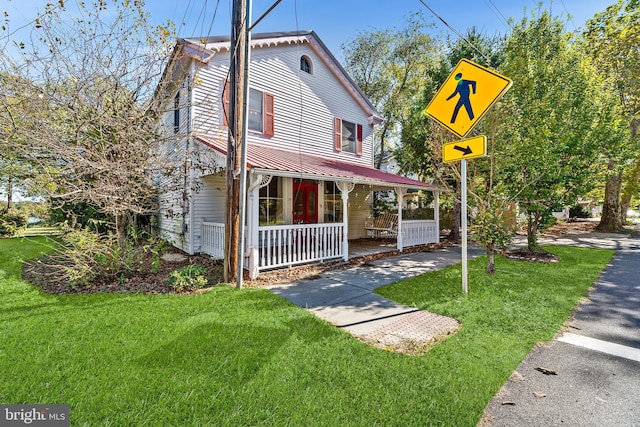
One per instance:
(337,134)
(268,115)
(225,102)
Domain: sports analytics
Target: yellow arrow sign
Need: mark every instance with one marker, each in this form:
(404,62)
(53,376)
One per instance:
(466,96)
(464,150)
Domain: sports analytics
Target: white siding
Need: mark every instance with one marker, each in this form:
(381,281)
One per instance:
(305,104)
(173,187)
(359,209)
(209,204)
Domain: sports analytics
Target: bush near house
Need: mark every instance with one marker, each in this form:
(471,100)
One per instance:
(12,221)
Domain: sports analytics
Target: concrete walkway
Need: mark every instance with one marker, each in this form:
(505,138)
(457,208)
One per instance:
(345,298)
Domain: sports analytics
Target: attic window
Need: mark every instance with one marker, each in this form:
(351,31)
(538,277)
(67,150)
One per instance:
(305,64)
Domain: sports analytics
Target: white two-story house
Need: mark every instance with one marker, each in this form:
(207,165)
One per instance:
(310,173)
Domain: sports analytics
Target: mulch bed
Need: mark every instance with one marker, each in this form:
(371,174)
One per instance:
(527,255)
(38,271)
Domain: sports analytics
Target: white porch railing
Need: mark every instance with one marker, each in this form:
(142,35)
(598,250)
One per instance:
(285,245)
(282,245)
(213,239)
(419,232)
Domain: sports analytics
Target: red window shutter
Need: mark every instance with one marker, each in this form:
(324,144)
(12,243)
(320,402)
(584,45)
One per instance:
(337,134)
(268,114)
(225,102)
(359,140)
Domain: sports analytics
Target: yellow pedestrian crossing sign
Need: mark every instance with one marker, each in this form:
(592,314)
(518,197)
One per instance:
(466,149)
(466,96)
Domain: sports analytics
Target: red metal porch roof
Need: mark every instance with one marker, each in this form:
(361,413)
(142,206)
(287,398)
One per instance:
(291,163)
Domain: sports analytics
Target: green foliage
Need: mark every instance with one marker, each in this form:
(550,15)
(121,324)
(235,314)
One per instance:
(390,66)
(156,247)
(86,255)
(493,230)
(80,214)
(189,278)
(552,138)
(579,211)
(12,221)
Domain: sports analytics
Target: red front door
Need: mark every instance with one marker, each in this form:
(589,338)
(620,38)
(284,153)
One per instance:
(305,202)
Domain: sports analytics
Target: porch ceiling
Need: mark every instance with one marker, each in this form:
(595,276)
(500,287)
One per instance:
(272,161)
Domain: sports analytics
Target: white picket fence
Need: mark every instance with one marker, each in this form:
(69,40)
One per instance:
(419,232)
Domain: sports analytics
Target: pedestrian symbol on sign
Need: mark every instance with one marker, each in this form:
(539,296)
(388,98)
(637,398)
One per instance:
(463,88)
(473,87)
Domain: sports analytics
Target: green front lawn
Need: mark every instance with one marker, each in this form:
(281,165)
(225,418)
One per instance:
(247,357)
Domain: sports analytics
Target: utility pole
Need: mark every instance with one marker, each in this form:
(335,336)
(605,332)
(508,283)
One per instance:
(236,120)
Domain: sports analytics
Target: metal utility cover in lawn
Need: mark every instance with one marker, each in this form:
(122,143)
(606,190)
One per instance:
(464,150)
(466,96)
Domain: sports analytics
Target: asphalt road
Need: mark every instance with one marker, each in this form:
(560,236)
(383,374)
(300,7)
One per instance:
(590,374)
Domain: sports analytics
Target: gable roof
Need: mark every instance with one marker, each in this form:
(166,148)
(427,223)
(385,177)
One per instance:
(296,164)
(202,49)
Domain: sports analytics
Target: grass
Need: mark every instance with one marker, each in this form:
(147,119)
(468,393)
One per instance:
(247,357)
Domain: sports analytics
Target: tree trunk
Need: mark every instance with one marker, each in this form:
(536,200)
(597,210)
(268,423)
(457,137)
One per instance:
(121,229)
(632,182)
(491,265)
(611,220)
(533,224)
(9,193)
(630,188)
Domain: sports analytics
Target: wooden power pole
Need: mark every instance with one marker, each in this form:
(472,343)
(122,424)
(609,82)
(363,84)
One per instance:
(236,121)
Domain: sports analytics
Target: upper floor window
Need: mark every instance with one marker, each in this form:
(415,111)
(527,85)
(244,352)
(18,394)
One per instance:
(261,111)
(176,113)
(347,136)
(305,64)
(256,113)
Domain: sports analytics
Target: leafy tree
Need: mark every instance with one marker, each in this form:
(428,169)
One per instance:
(551,137)
(390,66)
(612,39)
(15,169)
(86,81)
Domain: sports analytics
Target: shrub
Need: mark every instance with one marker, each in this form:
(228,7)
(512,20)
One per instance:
(12,221)
(85,256)
(578,211)
(189,278)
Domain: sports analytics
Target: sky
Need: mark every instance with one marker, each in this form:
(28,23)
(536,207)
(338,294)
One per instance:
(338,21)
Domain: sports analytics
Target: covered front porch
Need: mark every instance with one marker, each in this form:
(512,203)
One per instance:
(277,246)
(304,209)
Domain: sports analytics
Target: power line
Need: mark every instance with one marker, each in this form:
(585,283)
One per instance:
(455,31)
(499,14)
(569,16)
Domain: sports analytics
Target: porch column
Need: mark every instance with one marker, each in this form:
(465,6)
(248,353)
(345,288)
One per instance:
(436,213)
(400,193)
(256,183)
(345,188)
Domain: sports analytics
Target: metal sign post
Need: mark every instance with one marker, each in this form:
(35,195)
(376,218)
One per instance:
(463,99)
(463,214)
